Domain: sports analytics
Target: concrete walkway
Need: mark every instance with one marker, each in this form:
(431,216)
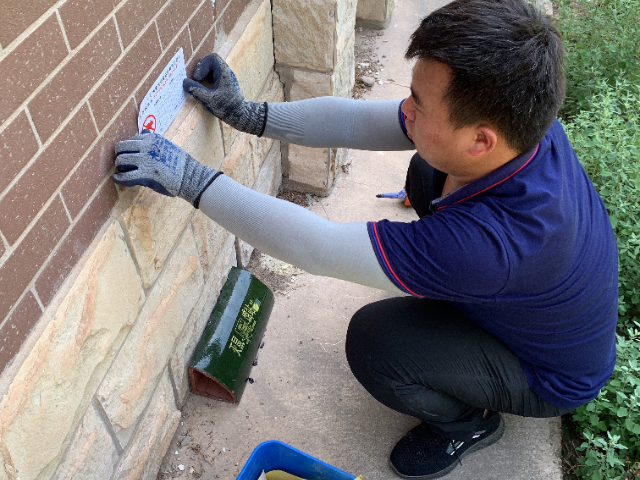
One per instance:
(303,392)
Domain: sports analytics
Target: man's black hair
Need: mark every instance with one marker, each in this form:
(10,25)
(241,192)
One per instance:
(507,62)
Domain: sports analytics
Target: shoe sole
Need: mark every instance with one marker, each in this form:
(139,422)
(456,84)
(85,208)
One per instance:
(490,440)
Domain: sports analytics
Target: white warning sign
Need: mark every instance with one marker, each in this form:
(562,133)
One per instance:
(164,99)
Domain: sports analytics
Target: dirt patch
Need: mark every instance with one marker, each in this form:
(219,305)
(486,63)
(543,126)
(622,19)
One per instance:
(570,440)
(367,62)
(280,277)
(299,198)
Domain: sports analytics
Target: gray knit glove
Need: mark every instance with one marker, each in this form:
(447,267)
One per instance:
(224,99)
(153,161)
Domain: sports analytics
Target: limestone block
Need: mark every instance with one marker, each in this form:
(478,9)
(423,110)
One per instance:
(270,176)
(199,133)
(199,317)
(260,147)
(344,76)
(238,164)
(251,59)
(52,389)
(346,23)
(272,90)
(310,33)
(136,370)
(154,223)
(142,458)
(304,33)
(147,214)
(375,13)
(91,454)
(210,239)
(307,84)
(309,169)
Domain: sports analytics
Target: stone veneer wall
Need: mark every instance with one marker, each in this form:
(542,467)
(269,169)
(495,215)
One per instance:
(106,291)
(375,13)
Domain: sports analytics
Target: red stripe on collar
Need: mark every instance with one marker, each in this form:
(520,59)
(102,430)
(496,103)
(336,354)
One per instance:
(497,183)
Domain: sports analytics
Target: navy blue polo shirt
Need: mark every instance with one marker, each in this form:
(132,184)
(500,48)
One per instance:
(527,253)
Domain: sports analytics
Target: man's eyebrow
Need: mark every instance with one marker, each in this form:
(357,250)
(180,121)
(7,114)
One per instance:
(416,99)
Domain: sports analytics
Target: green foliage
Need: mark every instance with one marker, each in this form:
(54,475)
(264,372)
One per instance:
(611,423)
(602,120)
(606,139)
(600,38)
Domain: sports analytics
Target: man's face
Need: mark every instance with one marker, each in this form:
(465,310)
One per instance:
(436,140)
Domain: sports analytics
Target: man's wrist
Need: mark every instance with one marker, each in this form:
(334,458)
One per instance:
(196,179)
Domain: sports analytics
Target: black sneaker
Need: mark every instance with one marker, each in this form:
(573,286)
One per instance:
(424,454)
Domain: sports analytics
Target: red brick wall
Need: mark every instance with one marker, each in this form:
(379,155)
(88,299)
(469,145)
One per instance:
(72,75)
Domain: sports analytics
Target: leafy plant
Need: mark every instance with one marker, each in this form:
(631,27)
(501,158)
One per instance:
(602,119)
(606,139)
(611,423)
(600,39)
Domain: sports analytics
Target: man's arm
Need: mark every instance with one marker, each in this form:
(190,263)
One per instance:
(295,235)
(319,122)
(338,122)
(281,229)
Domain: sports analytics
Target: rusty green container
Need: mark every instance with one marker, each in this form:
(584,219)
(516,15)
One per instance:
(222,361)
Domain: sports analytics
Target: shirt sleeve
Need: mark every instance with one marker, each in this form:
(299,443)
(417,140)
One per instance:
(448,256)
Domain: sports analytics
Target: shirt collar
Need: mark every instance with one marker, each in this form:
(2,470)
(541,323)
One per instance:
(481,185)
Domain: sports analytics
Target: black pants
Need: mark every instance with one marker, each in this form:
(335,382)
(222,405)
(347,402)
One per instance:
(424,358)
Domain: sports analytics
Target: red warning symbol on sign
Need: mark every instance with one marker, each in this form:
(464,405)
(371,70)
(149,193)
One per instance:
(149,123)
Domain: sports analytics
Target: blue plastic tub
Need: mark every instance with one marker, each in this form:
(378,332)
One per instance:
(275,455)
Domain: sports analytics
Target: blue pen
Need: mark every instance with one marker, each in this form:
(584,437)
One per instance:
(402,195)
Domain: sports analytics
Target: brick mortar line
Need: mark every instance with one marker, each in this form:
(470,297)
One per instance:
(31,285)
(35,131)
(32,282)
(158,36)
(115,22)
(31,289)
(66,209)
(37,297)
(30,29)
(204,37)
(8,250)
(213,24)
(95,124)
(64,32)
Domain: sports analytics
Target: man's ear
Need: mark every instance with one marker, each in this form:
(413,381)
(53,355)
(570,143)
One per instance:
(484,142)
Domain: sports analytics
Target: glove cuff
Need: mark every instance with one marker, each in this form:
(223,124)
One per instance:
(197,178)
(253,118)
(196,201)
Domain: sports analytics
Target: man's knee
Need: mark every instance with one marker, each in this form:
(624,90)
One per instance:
(358,340)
